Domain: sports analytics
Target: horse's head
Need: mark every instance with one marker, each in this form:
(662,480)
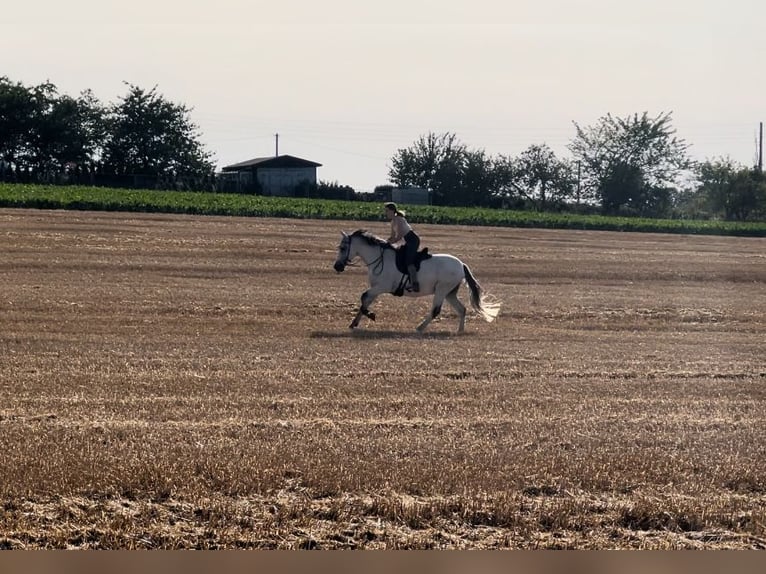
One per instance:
(344,252)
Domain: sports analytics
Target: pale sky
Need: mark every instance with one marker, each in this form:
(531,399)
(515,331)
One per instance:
(346,83)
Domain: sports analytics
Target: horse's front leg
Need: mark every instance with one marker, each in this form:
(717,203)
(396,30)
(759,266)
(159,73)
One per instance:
(367,299)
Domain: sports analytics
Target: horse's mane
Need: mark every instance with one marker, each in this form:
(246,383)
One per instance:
(371,239)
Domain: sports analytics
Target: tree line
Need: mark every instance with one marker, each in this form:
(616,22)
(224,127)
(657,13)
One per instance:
(634,165)
(620,166)
(142,137)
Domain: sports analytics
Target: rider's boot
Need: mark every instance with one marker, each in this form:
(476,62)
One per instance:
(413,278)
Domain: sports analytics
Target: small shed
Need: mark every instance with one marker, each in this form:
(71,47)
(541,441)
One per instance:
(279,175)
(411,195)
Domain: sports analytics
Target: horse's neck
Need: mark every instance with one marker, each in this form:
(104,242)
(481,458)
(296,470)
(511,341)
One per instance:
(370,253)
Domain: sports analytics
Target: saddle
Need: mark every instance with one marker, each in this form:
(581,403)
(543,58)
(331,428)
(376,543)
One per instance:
(421,255)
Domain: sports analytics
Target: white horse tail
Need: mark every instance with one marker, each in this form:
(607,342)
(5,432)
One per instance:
(486,309)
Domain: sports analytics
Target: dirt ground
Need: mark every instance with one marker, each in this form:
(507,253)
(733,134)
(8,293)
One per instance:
(191,382)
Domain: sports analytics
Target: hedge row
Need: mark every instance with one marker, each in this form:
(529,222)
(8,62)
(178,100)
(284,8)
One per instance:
(105,199)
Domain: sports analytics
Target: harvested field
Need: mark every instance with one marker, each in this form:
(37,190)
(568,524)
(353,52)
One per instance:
(191,382)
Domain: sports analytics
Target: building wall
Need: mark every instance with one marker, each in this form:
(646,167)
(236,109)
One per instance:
(281,181)
(235,181)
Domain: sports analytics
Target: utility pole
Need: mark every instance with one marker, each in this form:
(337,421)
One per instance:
(277,142)
(760,149)
(579,174)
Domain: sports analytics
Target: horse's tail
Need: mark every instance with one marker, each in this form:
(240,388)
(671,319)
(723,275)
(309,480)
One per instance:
(486,309)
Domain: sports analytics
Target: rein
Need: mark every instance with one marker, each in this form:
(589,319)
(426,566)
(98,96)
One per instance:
(378,269)
(377,262)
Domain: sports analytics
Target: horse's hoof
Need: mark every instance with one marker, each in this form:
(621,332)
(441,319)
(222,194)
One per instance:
(371,316)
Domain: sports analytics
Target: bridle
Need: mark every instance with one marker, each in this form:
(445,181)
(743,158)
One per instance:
(346,246)
(377,262)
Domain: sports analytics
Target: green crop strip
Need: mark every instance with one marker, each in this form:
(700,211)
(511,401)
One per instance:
(107,199)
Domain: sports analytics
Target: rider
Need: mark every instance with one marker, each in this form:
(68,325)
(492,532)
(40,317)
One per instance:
(401,231)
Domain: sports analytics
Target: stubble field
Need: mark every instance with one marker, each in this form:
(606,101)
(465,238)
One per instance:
(191,382)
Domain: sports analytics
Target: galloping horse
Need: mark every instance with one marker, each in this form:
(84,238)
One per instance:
(440,275)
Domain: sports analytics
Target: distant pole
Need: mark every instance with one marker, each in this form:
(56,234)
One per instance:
(760,149)
(277,140)
(579,174)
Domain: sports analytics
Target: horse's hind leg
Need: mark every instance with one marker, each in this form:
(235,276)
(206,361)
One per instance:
(457,306)
(436,308)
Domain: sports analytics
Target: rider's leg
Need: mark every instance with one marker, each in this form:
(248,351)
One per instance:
(413,273)
(411,244)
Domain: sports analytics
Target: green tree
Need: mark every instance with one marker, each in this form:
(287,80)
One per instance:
(732,190)
(453,174)
(71,132)
(148,135)
(434,162)
(714,181)
(622,185)
(748,195)
(506,175)
(542,179)
(43,130)
(480,184)
(630,164)
(21,111)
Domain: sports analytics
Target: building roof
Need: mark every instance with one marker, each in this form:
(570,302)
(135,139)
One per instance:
(274,161)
